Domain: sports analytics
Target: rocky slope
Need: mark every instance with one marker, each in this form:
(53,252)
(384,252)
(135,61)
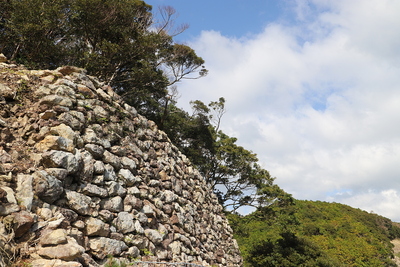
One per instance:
(84,177)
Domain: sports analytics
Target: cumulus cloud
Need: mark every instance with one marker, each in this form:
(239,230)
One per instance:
(318,100)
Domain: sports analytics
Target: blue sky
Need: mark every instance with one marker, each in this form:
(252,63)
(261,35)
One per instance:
(312,87)
(235,18)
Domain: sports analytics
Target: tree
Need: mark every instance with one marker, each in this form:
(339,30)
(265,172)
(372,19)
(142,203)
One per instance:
(114,40)
(231,170)
(30,30)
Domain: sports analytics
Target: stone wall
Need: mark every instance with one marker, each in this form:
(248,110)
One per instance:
(84,177)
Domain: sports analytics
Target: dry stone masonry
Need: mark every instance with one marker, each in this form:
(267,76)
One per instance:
(83,177)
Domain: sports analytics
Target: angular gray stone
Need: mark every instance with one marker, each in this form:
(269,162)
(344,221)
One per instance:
(54,237)
(63,87)
(138,227)
(115,189)
(8,208)
(7,92)
(98,167)
(134,202)
(154,236)
(57,159)
(47,187)
(112,159)
(106,215)
(53,263)
(91,137)
(24,193)
(69,251)
(109,173)
(102,247)
(96,227)
(74,119)
(128,178)
(79,202)
(59,173)
(124,223)
(86,173)
(128,163)
(168,196)
(114,204)
(96,150)
(175,247)
(142,218)
(130,109)
(64,131)
(133,252)
(148,210)
(93,190)
(5,157)
(52,142)
(2,122)
(56,100)
(101,113)
(138,241)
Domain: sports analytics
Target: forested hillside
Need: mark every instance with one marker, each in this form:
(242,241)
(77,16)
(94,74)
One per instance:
(314,233)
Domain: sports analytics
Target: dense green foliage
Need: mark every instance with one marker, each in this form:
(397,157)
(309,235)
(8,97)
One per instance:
(318,234)
(116,40)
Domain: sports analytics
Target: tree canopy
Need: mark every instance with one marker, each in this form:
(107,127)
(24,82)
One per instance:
(232,171)
(115,40)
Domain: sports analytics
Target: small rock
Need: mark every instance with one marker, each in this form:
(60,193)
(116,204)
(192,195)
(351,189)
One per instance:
(54,237)
(25,191)
(112,159)
(85,91)
(124,222)
(54,100)
(128,178)
(23,221)
(79,202)
(3,58)
(47,187)
(5,157)
(69,251)
(96,227)
(64,131)
(52,142)
(67,70)
(102,247)
(7,92)
(54,263)
(48,114)
(115,189)
(114,204)
(96,150)
(93,190)
(56,159)
(3,122)
(154,236)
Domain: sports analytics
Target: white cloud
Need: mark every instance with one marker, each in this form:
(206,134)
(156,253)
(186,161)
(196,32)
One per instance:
(319,101)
